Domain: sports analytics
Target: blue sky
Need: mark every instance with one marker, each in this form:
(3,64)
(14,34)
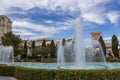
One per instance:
(55,19)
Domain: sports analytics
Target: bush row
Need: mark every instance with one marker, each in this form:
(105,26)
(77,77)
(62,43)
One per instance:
(7,70)
(22,73)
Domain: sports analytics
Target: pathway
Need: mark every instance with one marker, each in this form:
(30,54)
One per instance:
(7,78)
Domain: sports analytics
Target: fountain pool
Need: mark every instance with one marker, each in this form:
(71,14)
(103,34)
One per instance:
(55,65)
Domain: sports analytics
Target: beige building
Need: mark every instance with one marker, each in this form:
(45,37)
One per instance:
(108,47)
(5,25)
(39,41)
(95,35)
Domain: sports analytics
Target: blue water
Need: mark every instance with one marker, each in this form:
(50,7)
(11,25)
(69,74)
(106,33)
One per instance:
(55,65)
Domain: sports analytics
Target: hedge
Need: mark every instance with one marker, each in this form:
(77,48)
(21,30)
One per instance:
(22,73)
(7,70)
(45,74)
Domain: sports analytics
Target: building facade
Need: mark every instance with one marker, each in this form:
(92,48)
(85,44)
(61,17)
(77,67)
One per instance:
(5,25)
(95,35)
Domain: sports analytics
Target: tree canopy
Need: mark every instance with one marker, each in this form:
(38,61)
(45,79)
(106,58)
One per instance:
(44,43)
(102,44)
(52,49)
(115,44)
(10,39)
(63,41)
(33,44)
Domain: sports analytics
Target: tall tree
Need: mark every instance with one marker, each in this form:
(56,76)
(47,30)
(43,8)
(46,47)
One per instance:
(44,43)
(115,44)
(52,49)
(63,41)
(33,44)
(102,44)
(25,47)
(10,39)
(44,51)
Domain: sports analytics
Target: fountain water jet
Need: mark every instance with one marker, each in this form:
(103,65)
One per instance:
(77,56)
(79,48)
(60,55)
(6,54)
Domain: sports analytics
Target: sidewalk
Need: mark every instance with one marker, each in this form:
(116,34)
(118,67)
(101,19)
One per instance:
(7,78)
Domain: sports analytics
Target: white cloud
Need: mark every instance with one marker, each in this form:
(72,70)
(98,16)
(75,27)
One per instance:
(113,16)
(23,32)
(51,4)
(35,27)
(25,27)
(38,27)
(93,17)
(107,38)
(48,21)
(87,8)
(88,42)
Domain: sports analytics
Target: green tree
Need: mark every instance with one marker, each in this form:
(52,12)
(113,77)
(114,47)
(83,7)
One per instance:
(102,44)
(52,49)
(10,39)
(25,47)
(63,41)
(25,50)
(33,44)
(44,51)
(44,43)
(115,44)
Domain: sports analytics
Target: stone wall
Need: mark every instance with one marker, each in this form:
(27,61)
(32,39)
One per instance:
(5,25)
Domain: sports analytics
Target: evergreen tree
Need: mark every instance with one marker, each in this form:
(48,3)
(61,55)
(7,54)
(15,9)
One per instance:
(33,44)
(52,49)
(44,51)
(10,39)
(115,44)
(44,43)
(25,50)
(63,41)
(25,47)
(102,44)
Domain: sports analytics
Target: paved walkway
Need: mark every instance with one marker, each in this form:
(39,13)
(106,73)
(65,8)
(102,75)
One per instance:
(7,78)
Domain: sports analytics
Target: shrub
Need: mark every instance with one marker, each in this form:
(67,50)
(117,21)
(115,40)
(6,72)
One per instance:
(88,74)
(44,74)
(2,68)
(7,70)
(22,73)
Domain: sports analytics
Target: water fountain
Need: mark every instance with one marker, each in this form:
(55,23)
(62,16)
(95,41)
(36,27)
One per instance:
(6,54)
(73,55)
(77,56)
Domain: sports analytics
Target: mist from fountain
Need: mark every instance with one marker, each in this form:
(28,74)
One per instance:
(79,49)
(61,59)
(77,56)
(6,54)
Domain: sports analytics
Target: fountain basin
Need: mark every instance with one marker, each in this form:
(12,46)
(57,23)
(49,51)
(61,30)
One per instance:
(94,66)
(70,67)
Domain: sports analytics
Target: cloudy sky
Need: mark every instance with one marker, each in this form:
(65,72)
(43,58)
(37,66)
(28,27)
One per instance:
(55,19)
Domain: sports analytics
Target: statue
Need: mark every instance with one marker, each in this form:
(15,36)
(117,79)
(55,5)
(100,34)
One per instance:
(29,48)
